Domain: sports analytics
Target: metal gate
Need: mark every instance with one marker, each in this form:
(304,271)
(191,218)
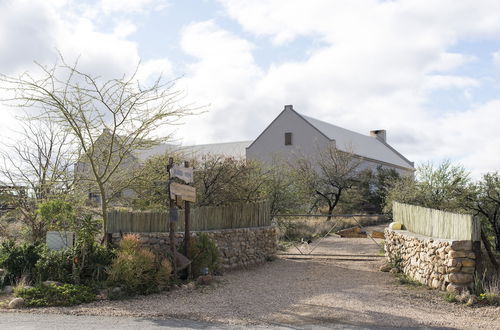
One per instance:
(306,249)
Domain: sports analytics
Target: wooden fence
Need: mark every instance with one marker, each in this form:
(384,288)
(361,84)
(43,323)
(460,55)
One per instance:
(435,223)
(203,218)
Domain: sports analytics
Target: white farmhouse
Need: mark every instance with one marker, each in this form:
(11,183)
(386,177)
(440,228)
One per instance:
(292,135)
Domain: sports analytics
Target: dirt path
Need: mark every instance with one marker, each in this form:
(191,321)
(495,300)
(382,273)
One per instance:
(304,293)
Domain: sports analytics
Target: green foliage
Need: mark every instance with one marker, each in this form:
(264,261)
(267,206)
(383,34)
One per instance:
(405,280)
(55,265)
(137,269)
(223,180)
(450,297)
(485,202)
(90,258)
(445,187)
(52,295)
(204,254)
(369,192)
(57,214)
(19,259)
(284,189)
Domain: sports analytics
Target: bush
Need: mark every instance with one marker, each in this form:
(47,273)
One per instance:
(53,295)
(137,269)
(55,265)
(19,260)
(204,254)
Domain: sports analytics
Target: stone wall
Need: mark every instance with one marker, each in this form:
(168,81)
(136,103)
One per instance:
(439,263)
(237,247)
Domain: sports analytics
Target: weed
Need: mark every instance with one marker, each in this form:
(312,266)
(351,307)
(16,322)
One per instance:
(450,297)
(406,280)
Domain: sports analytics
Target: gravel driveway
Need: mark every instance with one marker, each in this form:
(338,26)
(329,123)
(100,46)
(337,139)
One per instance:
(302,292)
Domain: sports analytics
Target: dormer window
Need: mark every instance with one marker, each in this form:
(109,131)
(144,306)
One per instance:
(288,138)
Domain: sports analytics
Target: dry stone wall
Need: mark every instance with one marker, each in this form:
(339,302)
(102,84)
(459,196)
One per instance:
(237,247)
(439,263)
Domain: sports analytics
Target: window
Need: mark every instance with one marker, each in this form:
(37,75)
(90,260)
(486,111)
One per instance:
(288,139)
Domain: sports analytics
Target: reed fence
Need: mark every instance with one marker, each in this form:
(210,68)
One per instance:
(242,215)
(435,223)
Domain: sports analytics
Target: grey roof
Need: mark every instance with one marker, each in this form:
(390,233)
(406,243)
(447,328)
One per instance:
(229,149)
(359,144)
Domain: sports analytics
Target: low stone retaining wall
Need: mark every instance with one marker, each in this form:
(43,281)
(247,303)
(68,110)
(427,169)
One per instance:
(237,247)
(439,263)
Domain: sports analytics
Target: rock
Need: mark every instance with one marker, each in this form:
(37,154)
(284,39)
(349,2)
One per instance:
(395,226)
(436,284)
(191,286)
(468,270)
(457,254)
(471,301)
(16,303)
(46,283)
(468,263)
(8,289)
(116,293)
(454,288)
(103,294)
(460,278)
(205,279)
(385,267)
(394,270)
(461,245)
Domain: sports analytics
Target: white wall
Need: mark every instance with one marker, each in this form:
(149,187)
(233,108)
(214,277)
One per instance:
(306,140)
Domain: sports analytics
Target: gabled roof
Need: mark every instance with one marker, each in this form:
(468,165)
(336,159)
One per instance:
(228,149)
(369,147)
(359,144)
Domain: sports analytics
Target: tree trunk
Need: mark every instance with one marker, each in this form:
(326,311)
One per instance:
(104,211)
(497,241)
(487,246)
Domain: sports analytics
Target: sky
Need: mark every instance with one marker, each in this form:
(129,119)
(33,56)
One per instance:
(426,71)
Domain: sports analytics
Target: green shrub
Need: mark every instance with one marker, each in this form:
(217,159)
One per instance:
(204,254)
(19,260)
(55,265)
(53,295)
(137,269)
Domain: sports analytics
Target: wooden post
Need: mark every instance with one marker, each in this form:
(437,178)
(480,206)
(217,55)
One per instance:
(170,223)
(187,234)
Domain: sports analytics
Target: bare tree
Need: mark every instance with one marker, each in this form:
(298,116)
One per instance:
(36,166)
(220,180)
(110,119)
(329,176)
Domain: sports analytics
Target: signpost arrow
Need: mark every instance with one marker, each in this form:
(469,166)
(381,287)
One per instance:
(183,173)
(186,192)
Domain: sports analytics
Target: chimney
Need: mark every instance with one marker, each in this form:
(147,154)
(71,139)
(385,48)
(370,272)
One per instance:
(289,107)
(379,134)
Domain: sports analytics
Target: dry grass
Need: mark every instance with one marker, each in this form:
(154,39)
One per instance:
(309,228)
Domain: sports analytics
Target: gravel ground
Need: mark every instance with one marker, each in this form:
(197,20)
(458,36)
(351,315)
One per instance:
(300,292)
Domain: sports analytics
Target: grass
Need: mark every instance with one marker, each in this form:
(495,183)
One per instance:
(406,280)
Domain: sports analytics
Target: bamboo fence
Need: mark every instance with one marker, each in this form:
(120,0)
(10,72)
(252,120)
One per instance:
(244,215)
(435,223)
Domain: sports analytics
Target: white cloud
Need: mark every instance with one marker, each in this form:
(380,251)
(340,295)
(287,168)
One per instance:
(378,67)
(496,58)
(131,6)
(124,29)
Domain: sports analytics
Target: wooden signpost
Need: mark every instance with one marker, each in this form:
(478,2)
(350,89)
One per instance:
(186,192)
(179,194)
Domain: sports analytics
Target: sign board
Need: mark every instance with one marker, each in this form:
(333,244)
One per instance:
(57,240)
(186,192)
(174,214)
(183,173)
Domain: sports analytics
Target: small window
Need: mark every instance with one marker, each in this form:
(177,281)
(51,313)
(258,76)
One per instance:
(288,139)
